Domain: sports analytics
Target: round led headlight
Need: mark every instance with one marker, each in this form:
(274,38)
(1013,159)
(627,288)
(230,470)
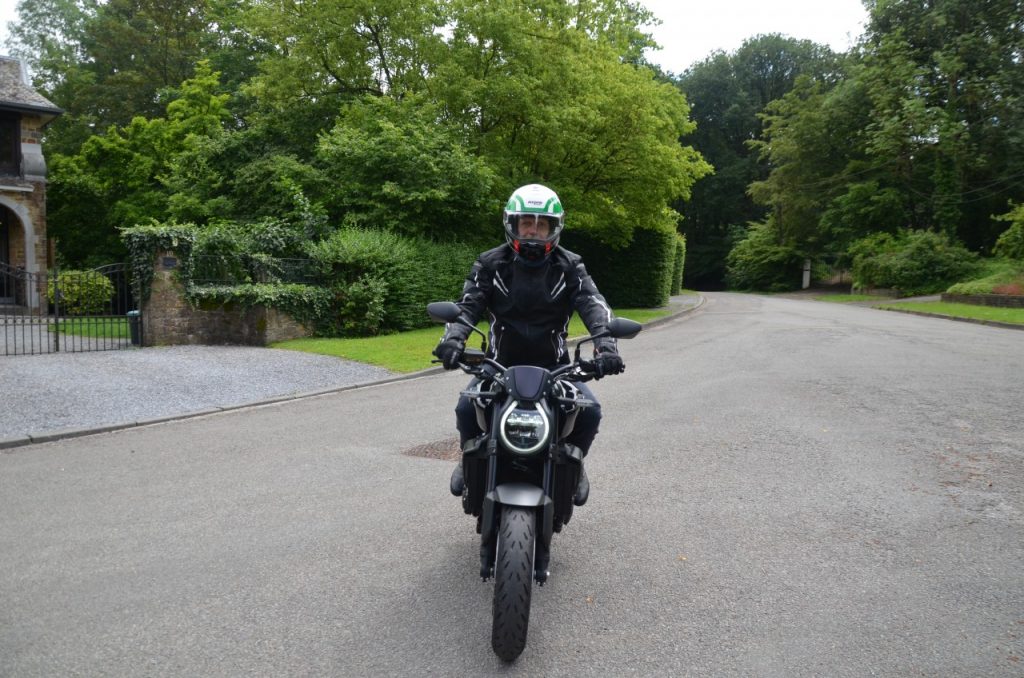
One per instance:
(524,431)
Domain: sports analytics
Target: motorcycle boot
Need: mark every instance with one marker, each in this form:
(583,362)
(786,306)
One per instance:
(457,484)
(582,488)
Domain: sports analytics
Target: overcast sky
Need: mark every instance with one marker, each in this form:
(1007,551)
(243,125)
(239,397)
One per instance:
(7,13)
(692,30)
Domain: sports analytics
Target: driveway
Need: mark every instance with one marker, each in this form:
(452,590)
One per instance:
(64,393)
(781,488)
(57,395)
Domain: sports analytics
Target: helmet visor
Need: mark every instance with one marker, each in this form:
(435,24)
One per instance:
(535,226)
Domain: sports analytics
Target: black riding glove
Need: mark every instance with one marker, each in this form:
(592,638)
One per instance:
(608,362)
(450,352)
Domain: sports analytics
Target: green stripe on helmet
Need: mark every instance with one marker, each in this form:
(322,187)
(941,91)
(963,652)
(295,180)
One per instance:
(517,203)
(553,206)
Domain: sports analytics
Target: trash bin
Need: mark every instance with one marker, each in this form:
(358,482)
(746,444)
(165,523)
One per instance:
(135,327)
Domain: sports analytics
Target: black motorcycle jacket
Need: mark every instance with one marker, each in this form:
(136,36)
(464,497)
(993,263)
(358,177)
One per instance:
(529,307)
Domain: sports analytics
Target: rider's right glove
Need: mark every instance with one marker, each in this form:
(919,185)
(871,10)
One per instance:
(450,352)
(608,362)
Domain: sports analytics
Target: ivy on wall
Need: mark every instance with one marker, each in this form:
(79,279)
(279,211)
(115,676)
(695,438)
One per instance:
(144,241)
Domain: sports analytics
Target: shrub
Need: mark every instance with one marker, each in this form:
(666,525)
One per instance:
(761,262)
(382,281)
(307,304)
(1010,244)
(911,262)
(997,276)
(82,292)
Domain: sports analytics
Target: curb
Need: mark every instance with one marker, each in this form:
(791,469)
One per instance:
(976,321)
(16,441)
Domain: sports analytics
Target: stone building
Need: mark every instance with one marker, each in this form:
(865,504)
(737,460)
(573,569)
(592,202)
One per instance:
(23,242)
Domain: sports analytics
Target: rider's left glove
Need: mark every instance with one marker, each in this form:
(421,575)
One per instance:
(450,352)
(608,362)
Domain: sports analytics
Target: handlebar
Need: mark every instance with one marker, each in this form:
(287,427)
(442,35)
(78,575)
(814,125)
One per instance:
(579,370)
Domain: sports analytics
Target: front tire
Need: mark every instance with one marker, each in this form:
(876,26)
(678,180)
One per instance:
(513,581)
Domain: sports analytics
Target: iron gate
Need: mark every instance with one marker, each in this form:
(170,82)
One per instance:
(72,311)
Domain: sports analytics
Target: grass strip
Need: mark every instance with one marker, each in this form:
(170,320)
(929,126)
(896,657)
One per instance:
(410,351)
(97,328)
(846,298)
(1013,316)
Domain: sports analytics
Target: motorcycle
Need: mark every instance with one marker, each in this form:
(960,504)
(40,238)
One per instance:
(521,474)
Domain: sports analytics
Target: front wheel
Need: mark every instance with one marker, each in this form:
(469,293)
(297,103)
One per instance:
(513,579)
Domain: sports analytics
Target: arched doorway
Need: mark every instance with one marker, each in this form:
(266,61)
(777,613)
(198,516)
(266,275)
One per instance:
(6,286)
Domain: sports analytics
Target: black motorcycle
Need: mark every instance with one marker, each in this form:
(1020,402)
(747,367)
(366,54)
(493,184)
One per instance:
(521,475)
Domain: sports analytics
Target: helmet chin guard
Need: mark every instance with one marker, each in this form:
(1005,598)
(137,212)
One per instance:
(539,202)
(533,251)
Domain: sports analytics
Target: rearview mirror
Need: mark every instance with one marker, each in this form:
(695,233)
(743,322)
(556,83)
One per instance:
(443,311)
(624,328)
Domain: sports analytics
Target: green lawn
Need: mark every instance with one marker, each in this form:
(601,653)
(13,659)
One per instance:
(1003,315)
(102,328)
(410,351)
(845,298)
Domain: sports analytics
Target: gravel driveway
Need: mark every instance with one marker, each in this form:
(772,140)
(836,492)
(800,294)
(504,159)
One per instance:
(63,394)
(56,392)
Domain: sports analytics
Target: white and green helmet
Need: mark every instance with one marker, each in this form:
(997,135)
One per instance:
(534,200)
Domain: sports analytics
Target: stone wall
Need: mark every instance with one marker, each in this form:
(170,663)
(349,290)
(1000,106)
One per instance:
(169,319)
(25,198)
(1002,300)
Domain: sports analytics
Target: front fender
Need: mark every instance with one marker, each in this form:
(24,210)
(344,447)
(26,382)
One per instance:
(519,494)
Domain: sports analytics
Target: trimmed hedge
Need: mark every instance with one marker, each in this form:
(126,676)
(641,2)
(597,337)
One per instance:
(639,275)
(372,281)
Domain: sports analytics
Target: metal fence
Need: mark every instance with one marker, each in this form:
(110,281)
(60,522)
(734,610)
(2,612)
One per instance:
(827,273)
(71,311)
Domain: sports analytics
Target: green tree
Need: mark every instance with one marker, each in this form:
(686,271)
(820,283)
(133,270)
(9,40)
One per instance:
(547,91)
(727,92)
(393,165)
(48,37)
(945,83)
(116,179)
(810,143)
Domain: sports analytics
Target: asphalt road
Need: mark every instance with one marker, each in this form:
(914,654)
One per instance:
(781,488)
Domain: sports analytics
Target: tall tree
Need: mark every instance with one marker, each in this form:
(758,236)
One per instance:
(728,92)
(117,178)
(946,81)
(544,90)
(48,37)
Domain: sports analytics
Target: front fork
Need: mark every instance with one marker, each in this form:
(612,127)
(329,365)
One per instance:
(490,515)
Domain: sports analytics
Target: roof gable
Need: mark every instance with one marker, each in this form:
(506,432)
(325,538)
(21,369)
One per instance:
(17,95)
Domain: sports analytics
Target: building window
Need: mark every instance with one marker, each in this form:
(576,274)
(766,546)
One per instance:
(10,144)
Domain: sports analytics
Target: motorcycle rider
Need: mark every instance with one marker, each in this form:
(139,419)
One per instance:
(530,287)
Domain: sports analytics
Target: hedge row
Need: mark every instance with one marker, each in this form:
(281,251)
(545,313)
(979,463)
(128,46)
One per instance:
(641,275)
(370,281)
